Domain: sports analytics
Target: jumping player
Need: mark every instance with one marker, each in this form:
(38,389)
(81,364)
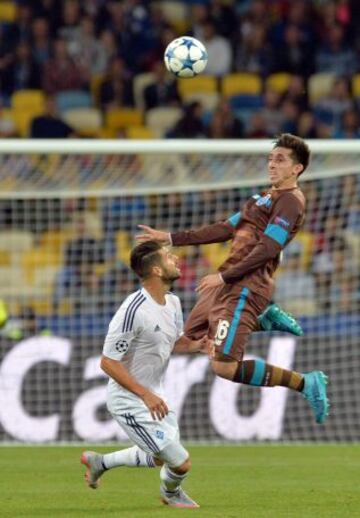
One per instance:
(232,300)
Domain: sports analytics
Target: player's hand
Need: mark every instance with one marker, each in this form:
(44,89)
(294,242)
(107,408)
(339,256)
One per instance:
(210,281)
(206,346)
(157,406)
(150,234)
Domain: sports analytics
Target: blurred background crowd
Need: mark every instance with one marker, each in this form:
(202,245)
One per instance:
(95,69)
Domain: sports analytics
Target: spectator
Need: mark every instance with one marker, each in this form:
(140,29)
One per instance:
(295,287)
(293,55)
(7,130)
(296,92)
(253,53)
(224,124)
(87,51)
(40,41)
(70,28)
(274,118)
(331,108)
(335,55)
(290,111)
(219,51)
(23,72)
(116,90)
(50,125)
(190,124)
(225,18)
(61,73)
(163,91)
(307,126)
(257,126)
(349,126)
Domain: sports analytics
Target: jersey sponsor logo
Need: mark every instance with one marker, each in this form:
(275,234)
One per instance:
(263,200)
(121,346)
(222,331)
(159,434)
(282,221)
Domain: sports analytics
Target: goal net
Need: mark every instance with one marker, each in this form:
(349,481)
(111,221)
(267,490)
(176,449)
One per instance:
(68,215)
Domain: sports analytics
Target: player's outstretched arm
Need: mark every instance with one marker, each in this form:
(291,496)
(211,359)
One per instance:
(185,345)
(150,234)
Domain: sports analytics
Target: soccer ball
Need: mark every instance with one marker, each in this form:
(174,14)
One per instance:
(185,57)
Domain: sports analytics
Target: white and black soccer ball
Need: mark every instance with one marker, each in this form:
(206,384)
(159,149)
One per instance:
(185,57)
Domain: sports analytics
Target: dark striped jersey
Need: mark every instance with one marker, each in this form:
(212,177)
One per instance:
(142,335)
(265,225)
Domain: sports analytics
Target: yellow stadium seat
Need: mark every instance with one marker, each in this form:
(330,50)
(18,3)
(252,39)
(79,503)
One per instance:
(162,119)
(199,84)
(85,121)
(95,86)
(120,118)
(23,119)
(306,240)
(8,11)
(37,259)
(55,239)
(355,84)
(279,82)
(242,83)
(141,81)
(139,132)
(28,100)
(320,85)
(123,246)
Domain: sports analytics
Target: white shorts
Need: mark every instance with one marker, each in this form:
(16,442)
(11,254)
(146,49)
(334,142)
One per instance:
(159,438)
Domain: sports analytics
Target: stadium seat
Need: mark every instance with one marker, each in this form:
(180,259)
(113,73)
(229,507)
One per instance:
(175,13)
(139,132)
(241,83)
(8,11)
(73,99)
(16,243)
(55,239)
(320,85)
(355,85)
(140,82)
(13,284)
(216,253)
(86,121)
(246,102)
(162,119)
(209,101)
(123,246)
(28,100)
(200,84)
(279,81)
(23,119)
(121,118)
(37,259)
(95,85)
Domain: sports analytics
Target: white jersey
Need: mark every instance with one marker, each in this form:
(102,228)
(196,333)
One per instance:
(142,334)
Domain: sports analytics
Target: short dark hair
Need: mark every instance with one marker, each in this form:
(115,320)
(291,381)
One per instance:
(144,256)
(300,151)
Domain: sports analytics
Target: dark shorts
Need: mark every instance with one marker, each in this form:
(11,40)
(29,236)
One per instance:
(228,315)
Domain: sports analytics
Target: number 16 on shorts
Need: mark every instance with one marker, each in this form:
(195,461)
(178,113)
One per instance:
(222,331)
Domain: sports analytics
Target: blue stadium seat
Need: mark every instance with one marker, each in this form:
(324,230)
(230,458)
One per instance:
(247,102)
(73,99)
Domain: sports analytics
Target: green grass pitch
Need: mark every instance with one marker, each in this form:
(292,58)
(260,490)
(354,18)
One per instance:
(227,481)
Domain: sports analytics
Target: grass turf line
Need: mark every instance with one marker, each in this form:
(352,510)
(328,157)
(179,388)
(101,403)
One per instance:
(228,482)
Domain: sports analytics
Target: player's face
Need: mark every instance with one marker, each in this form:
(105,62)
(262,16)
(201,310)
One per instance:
(169,265)
(281,167)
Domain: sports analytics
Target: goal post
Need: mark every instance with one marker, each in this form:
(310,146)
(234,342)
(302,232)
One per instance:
(69,210)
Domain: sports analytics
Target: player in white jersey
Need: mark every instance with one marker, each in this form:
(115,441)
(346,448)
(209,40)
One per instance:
(146,329)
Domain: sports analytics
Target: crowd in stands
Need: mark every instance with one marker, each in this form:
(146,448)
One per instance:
(104,58)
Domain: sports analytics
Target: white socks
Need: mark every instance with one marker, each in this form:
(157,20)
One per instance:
(170,480)
(131,457)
